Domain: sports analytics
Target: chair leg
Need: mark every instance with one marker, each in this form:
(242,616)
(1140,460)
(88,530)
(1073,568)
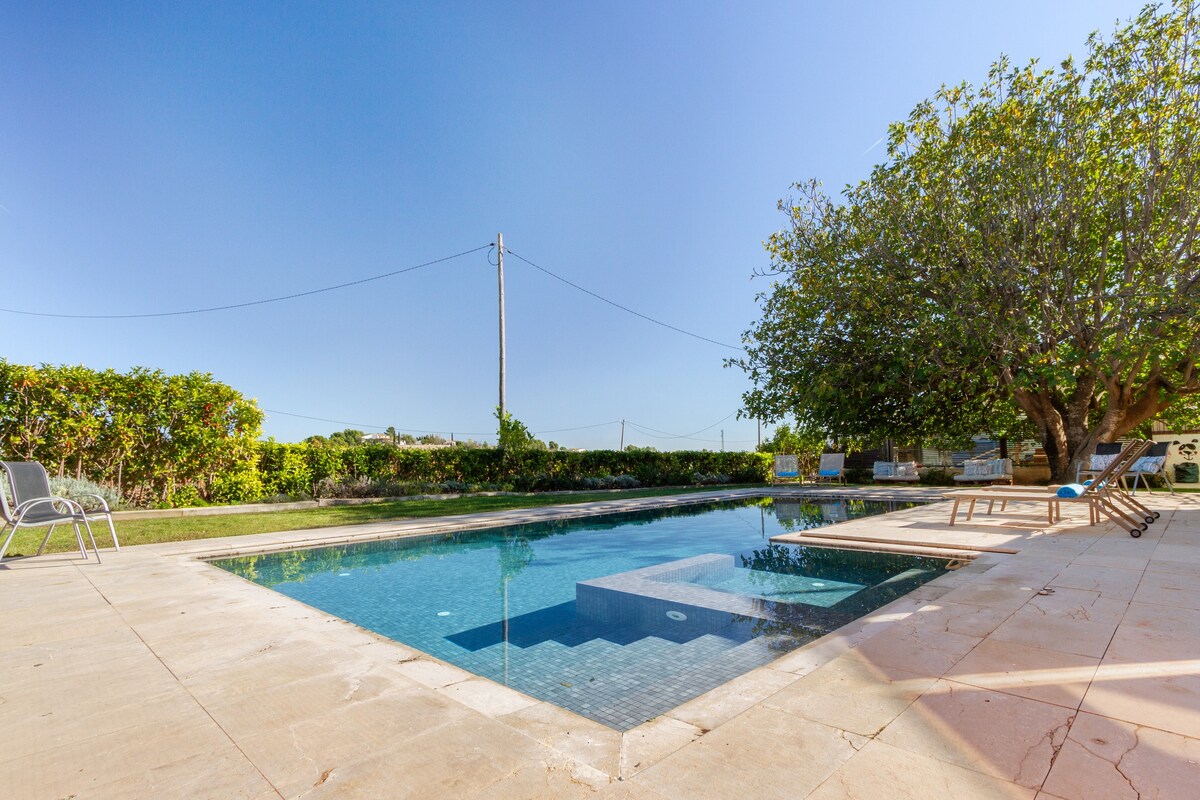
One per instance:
(79,539)
(49,533)
(11,534)
(91,536)
(112,530)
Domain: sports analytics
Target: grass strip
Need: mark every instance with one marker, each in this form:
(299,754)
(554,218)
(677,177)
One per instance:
(180,529)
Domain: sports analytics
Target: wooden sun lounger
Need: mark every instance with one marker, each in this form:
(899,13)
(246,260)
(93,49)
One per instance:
(1104,497)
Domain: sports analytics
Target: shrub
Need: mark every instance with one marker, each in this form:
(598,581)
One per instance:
(76,488)
(237,486)
(937,476)
(185,497)
(859,475)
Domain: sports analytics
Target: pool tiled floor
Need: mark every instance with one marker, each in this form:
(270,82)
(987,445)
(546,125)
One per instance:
(155,675)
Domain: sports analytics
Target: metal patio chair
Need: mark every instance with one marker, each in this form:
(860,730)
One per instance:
(831,468)
(34,506)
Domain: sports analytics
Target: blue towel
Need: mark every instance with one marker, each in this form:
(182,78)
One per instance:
(1071,490)
(829,473)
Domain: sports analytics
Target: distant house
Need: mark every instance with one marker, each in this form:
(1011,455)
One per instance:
(384,438)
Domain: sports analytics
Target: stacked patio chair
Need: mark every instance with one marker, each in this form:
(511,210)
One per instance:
(1104,495)
(35,506)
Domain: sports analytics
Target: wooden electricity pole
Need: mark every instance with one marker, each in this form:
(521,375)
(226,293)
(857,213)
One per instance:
(500,276)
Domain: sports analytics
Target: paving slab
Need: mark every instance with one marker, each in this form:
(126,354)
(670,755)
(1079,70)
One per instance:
(153,674)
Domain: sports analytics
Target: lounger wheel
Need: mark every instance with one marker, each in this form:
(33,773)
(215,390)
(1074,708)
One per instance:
(1135,533)
(1157,515)
(1148,519)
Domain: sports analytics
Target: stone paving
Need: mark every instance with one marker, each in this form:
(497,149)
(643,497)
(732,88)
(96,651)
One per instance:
(154,675)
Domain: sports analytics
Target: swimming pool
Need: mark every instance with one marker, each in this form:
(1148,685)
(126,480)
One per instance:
(617,618)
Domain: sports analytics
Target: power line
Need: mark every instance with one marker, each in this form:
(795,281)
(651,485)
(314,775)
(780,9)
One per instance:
(252,302)
(418,430)
(375,427)
(618,305)
(645,430)
(581,427)
(686,435)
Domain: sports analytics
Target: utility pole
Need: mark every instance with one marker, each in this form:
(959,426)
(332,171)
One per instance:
(622,435)
(500,276)
(722,440)
(759,434)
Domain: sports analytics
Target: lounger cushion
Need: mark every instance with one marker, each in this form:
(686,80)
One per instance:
(829,473)
(906,470)
(1071,490)
(884,469)
(975,467)
(1099,463)
(1148,464)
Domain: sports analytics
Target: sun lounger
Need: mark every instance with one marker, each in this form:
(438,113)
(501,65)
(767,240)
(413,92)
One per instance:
(1103,496)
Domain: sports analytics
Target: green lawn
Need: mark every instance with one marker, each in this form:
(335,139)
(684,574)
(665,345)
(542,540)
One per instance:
(178,529)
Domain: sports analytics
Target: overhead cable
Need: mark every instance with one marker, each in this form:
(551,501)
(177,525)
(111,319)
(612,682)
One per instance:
(686,435)
(618,305)
(357,425)
(252,302)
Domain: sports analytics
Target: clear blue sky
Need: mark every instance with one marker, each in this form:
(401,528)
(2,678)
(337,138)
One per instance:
(162,157)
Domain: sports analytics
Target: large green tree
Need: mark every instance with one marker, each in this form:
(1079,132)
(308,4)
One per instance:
(1025,255)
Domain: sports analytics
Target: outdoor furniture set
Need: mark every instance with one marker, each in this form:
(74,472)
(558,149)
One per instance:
(33,505)
(832,468)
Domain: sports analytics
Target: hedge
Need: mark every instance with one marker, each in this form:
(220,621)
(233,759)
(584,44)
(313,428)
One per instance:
(297,469)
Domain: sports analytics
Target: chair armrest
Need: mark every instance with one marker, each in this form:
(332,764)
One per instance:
(22,509)
(103,502)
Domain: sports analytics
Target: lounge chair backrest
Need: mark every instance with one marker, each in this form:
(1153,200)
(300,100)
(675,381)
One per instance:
(832,462)
(5,509)
(1109,448)
(787,466)
(27,480)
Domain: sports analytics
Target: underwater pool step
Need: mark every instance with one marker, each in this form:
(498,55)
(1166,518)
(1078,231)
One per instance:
(885,546)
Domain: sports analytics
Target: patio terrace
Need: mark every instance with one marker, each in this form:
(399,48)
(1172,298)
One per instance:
(155,675)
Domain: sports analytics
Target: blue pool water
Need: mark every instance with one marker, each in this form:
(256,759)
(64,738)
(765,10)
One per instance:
(617,618)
